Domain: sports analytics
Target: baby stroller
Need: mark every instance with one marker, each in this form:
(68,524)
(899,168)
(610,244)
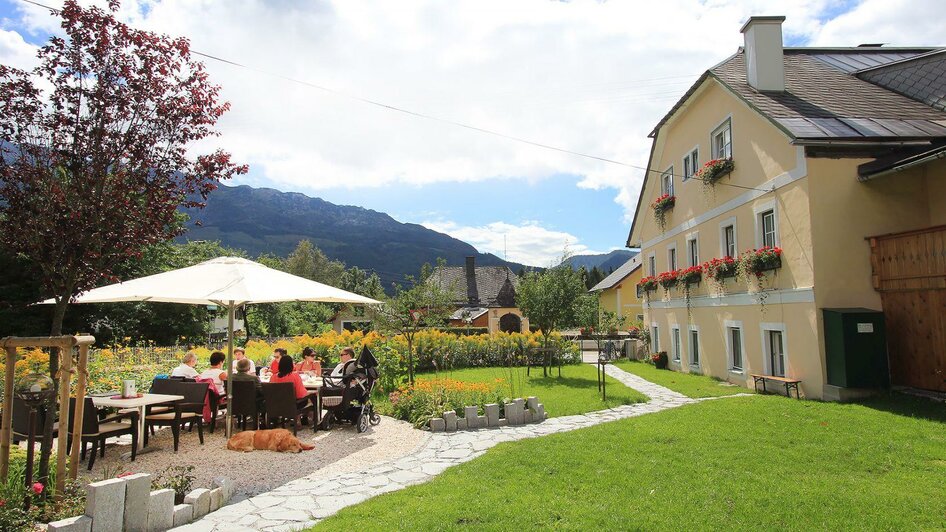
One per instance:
(348,397)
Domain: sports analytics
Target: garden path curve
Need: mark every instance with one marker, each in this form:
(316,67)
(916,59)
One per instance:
(307,500)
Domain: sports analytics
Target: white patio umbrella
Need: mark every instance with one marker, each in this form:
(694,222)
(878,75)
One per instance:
(228,282)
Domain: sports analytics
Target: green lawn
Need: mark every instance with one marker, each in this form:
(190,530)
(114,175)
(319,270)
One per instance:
(689,384)
(761,462)
(575,392)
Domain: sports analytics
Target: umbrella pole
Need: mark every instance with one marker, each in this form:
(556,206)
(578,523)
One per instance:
(231,308)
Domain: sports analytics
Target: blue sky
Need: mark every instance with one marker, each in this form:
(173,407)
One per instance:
(588,76)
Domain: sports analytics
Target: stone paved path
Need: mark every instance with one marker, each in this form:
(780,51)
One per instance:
(306,501)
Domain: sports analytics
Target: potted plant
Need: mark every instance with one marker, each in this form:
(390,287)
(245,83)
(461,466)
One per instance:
(719,269)
(660,360)
(661,205)
(758,261)
(647,284)
(688,277)
(714,170)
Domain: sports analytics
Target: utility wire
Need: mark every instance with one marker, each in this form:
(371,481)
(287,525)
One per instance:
(418,114)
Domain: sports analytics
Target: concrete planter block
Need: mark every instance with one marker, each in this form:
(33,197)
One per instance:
(462,423)
(503,422)
(216,499)
(526,416)
(137,498)
(533,403)
(160,510)
(450,419)
(200,500)
(514,412)
(183,514)
(105,504)
(492,415)
(540,413)
(481,421)
(227,486)
(437,424)
(472,419)
(83,523)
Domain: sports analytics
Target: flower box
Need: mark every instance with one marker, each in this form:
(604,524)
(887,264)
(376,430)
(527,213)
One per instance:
(757,261)
(668,279)
(664,203)
(647,284)
(714,170)
(691,275)
(719,269)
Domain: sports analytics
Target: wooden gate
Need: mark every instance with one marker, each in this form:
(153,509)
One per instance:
(909,271)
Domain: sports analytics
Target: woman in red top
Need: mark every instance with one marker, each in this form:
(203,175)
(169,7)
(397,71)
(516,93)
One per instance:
(286,374)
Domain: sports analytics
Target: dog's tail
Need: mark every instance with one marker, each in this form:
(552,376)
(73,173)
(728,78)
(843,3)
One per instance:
(306,446)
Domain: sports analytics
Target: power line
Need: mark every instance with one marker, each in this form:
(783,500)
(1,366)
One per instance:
(418,114)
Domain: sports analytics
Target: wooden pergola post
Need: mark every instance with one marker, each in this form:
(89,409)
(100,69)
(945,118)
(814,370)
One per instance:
(65,344)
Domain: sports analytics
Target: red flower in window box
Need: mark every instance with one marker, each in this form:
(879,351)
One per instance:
(647,284)
(668,279)
(664,202)
(718,269)
(691,275)
(758,261)
(713,170)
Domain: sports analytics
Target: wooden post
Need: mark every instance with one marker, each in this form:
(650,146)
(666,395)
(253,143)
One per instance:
(231,309)
(7,423)
(65,378)
(80,407)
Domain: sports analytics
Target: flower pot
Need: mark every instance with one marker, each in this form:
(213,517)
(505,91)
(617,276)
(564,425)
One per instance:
(661,360)
(767,265)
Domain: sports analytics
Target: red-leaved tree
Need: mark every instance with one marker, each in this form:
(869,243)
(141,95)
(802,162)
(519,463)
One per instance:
(95,152)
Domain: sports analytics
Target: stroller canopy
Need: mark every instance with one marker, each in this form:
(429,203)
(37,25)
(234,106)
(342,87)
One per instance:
(366,359)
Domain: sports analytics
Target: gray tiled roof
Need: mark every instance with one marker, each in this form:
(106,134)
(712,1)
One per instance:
(489,281)
(822,102)
(619,274)
(922,78)
(853,59)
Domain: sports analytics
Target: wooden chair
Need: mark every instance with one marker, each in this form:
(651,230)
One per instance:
(245,403)
(96,431)
(280,403)
(189,410)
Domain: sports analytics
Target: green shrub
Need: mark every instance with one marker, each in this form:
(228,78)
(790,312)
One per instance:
(432,397)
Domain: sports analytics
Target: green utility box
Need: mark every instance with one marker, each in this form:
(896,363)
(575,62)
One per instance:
(855,348)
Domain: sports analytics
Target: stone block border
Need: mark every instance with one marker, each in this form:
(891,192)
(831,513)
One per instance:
(127,504)
(518,412)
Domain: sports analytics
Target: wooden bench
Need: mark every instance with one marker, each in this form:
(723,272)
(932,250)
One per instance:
(790,384)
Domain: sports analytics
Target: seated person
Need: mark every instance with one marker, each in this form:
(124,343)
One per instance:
(346,365)
(286,374)
(240,354)
(186,369)
(278,355)
(309,363)
(216,372)
(244,373)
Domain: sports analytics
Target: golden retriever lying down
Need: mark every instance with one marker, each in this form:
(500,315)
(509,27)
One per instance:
(280,440)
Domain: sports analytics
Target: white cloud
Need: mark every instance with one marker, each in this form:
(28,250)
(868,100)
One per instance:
(16,52)
(588,76)
(528,243)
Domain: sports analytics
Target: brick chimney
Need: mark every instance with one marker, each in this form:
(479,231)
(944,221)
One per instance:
(763,50)
(472,292)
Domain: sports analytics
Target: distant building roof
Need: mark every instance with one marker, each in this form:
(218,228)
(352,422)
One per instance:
(478,286)
(470,313)
(619,274)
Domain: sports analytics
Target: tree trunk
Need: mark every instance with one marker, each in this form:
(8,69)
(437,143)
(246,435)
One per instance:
(46,446)
(410,359)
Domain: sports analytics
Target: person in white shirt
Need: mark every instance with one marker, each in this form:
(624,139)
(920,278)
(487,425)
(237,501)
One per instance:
(215,372)
(186,369)
(345,356)
(238,355)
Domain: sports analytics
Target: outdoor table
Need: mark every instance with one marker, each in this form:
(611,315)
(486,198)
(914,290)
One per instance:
(138,403)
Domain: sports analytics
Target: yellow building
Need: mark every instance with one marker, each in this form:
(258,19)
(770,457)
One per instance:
(829,148)
(617,293)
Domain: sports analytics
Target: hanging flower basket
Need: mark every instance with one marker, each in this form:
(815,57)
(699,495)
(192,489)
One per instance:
(668,279)
(661,205)
(719,269)
(714,170)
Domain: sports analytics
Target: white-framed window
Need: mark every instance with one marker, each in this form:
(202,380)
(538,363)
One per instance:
(766,223)
(675,342)
(721,140)
(773,347)
(691,164)
(693,249)
(655,337)
(694,345)
(652,264)
(727,238)
(672,257)
(666,182)
(735,346)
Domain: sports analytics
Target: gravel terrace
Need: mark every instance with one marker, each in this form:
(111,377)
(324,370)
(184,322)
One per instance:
(338,451)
